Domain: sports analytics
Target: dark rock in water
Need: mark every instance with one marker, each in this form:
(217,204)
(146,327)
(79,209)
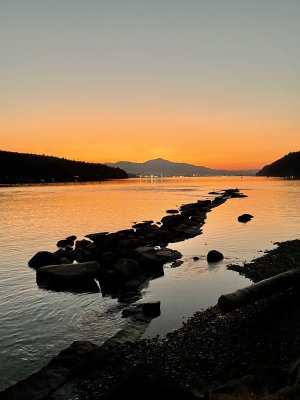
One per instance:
(43,258)
(167,255)
(151,264)
(214,256)
(82,243)
(171,221)
(65,253)
(95,236)
(142,224)
(233,193)
(72,237)
(110,282)
(77,278)
(172,211)
(65,242)
(162,255)
(151,309)
(126,267)
(142,311)
(196,258)
(176,263)
(245,217)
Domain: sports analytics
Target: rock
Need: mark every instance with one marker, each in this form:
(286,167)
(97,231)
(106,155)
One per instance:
(176,263)
(96,236)
(151,264)
(126,267)
(65,243)
(245,217)
(142,224)
(82,243)
(152,309)
(171,221)
(214,256)
(110,282)
(141,310)
(65,253)
(233,193)
(196,258)
(78,278)
(129,243)
(172,211)
(72,237)
(148,255)
(43,258)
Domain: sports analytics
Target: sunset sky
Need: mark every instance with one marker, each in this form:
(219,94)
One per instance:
(209,82)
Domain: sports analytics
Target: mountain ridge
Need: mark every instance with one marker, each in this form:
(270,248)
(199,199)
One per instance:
(163,167)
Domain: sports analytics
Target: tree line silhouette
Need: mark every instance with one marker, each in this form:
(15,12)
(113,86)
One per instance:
(32,168)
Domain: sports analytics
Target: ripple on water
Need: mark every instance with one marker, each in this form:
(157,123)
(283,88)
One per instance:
(36,324)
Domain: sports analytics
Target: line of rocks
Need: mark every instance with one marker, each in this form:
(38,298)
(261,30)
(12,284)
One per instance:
(119,263)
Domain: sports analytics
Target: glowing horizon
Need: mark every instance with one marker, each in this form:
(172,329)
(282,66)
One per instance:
(206,83)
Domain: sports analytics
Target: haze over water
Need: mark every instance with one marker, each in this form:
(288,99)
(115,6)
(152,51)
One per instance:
(37,324)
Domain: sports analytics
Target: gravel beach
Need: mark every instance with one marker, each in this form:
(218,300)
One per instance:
(247,352)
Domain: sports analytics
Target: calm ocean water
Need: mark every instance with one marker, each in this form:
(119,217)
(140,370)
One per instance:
(36,324)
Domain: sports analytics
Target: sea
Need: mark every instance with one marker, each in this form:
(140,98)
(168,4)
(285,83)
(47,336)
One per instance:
(36,324)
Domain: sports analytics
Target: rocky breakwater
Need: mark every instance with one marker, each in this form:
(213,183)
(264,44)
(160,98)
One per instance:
(120,263)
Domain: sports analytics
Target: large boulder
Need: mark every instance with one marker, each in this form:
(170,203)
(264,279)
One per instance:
(43,258)
(170,221)
(214,256)
(126,267)
(78,278)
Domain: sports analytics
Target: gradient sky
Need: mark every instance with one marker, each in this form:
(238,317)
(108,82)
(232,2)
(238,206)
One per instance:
(210,82)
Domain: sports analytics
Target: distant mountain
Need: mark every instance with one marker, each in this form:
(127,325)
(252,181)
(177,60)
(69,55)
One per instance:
(33,168)
(161,167)
(287,166)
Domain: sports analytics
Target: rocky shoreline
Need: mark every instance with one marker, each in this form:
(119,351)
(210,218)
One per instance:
(251,352)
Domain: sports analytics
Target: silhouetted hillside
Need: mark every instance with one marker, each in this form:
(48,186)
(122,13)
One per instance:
(32,168)
(163,167)
(287,166)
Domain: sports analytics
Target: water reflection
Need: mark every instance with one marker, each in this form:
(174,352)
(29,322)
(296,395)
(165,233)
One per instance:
(37,323)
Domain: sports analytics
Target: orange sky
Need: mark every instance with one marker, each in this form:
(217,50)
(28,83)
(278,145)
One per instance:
(208,83)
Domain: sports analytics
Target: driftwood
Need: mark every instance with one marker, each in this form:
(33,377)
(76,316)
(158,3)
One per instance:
(259,290)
